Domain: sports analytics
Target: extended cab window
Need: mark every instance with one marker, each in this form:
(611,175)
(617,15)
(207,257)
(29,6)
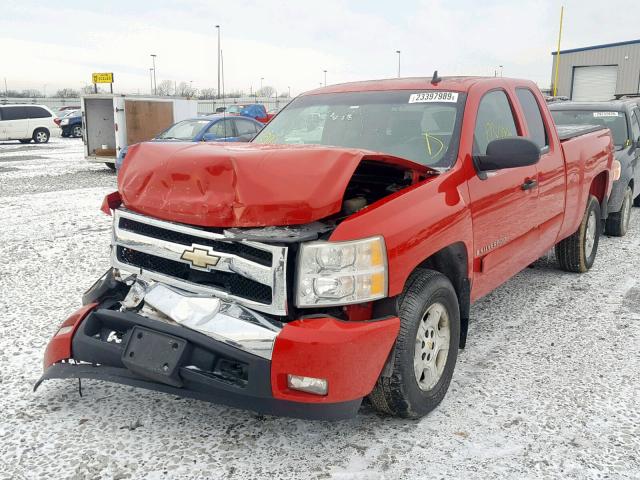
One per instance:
(495,120)
(532,115)
(422,126)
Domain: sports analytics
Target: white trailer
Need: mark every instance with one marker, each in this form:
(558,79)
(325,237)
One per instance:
(112,122)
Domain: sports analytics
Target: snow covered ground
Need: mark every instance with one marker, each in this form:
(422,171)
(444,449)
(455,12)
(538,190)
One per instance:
(548,387)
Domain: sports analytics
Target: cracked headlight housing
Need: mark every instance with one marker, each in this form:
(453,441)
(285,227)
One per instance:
(341,273)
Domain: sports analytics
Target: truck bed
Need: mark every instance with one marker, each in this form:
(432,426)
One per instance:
(566,132)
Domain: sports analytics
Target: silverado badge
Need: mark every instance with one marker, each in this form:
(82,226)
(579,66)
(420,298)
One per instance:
(200,257)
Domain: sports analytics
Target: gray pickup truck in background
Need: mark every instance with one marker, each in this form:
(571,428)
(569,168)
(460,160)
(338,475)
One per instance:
(622,117)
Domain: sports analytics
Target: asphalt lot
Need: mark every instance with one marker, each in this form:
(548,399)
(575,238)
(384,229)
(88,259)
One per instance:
(548,386)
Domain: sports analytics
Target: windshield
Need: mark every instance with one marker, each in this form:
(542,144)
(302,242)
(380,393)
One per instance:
(615,121)
(234,108)
(419,126)
(185,130)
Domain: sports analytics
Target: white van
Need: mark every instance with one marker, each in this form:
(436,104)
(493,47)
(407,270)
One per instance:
(27,122)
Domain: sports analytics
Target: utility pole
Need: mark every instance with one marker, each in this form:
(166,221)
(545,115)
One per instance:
(325,78)
(555,81)
(261,79)
(155,80)
(151,80)
(501,67)
(398,52)
(218,28)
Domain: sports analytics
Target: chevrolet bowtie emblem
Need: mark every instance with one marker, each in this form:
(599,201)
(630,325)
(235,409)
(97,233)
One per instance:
(200,257)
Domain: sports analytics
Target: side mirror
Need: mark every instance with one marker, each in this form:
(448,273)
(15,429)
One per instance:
(209,137)
(508,153)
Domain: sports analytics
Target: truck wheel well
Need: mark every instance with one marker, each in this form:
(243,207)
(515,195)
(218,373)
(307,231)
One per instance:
(599,186)
(452,262)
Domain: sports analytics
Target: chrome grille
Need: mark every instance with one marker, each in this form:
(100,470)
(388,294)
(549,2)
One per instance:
(251,273)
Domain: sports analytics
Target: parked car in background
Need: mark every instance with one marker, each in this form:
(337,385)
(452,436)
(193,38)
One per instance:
(622,117)
(63,110)
(209,128)
(27,123)
(256,111)
(71,124)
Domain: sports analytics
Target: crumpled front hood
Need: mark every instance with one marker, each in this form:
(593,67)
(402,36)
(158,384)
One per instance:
(239,185)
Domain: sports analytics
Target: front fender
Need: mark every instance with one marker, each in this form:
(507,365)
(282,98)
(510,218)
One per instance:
(416,223)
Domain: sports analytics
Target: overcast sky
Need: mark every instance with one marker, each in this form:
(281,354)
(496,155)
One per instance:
(290,43)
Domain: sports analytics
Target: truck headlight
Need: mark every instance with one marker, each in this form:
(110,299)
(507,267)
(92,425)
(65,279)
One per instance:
(341,273)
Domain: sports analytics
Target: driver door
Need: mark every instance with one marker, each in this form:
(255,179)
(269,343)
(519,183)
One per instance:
(503,204)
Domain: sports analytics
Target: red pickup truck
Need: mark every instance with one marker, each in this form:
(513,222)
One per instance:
(337,255)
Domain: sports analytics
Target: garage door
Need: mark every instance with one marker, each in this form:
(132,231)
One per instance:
(594,83)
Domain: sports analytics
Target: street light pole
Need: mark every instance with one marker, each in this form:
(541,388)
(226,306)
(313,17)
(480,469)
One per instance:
(261,79)
(151,80)
(155,81)
(325,78)
(501,66)
(218,28)
(287,87)
(398,52)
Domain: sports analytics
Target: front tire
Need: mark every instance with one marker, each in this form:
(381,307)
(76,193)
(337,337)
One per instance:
(618,222)
(41,135)
(426,350)
(112,166)
(578,252)
(77,131)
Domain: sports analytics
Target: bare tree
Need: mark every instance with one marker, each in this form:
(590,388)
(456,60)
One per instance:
(67,93)
(207,93)
(31,93)
(185,90)
(234,94)
(284,95)
(266,91)
(165,87)
(87,89)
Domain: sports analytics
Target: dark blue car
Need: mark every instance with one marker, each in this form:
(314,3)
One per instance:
(71,123)
(209,128)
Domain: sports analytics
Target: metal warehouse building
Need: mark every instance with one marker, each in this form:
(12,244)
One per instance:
(600,72)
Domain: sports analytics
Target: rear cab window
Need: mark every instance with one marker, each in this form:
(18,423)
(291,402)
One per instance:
(613,120)
(495,120)
(533,116)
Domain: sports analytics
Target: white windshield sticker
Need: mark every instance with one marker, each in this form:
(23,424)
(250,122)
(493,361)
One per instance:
(605,114)
(425,97)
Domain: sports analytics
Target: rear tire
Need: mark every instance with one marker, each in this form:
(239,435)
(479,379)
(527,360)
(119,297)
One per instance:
(77,131)
(112,166)
(41,135)
(618,222)
(578,252)
(425,353)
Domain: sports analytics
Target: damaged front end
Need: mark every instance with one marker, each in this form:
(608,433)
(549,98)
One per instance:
(275,319)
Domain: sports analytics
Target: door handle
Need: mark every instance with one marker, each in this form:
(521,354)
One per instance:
(529,184)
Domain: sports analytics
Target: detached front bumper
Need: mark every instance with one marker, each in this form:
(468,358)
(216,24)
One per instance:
(124,347)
